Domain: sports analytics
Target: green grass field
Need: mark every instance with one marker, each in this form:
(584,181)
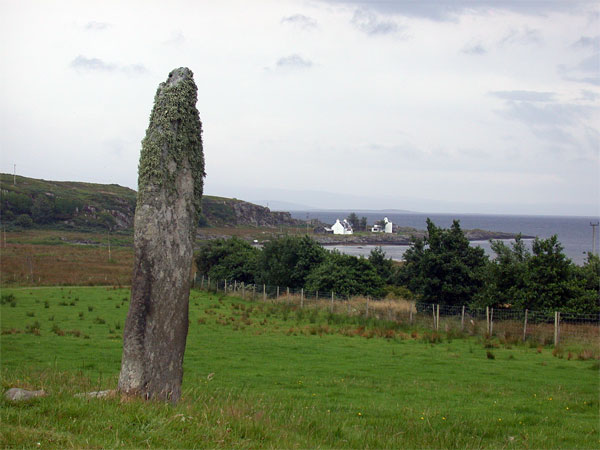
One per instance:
(262,375)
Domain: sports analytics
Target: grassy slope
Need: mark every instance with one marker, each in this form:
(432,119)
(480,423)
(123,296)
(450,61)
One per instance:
(71,189)
(218,211)
(277,385)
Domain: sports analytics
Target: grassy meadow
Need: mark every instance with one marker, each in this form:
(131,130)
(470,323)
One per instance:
(262,375)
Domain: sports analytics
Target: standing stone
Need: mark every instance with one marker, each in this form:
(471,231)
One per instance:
(170,182)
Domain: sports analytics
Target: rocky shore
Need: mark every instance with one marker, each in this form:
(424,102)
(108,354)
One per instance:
(404,237)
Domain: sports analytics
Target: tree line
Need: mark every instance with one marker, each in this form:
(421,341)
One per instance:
(439,268)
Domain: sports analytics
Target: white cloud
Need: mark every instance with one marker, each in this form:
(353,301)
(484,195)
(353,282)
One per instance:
(93,64)
(294,62)
(367,22)
(474,49)
(82,63)
(96,26)
(300,21)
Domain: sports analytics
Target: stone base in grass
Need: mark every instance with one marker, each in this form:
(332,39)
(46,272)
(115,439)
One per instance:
(18,394)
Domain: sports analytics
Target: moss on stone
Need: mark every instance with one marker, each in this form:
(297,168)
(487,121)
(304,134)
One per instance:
(174,134)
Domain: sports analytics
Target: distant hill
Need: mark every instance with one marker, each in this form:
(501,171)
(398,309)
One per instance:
(31,202)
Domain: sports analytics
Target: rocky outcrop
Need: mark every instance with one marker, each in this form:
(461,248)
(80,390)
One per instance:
(260,216)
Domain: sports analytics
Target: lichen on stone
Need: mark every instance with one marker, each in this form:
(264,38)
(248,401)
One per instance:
(174,134)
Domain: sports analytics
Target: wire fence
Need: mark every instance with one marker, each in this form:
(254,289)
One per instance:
(508,324)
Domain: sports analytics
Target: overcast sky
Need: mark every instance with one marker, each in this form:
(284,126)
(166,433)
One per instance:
(434,106)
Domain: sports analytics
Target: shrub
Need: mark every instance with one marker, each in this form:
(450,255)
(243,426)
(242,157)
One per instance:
(24,221)
(7,298)
(33,328)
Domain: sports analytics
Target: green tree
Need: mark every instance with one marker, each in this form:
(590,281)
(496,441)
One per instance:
(15,202)
(354,221)
(42,210)
(443,268)
(106,220)
(363,223)
(507,276)
(346,276)
(64,208)
(588,278)
(384,266)
(287,261)
(544,279)
(24,220)
(228,259)
(553,282)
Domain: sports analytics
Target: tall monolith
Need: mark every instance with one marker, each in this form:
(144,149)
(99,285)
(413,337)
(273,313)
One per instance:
(170,182)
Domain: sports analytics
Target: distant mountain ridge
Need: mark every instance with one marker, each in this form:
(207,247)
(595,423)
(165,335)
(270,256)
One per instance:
(91,205)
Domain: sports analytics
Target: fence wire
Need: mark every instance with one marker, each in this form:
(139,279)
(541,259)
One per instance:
(508,324)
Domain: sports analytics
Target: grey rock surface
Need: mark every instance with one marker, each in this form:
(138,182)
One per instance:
(170,183)
(97,394)
(18,394)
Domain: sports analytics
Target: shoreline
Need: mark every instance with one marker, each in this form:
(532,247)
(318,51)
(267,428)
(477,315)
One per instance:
(404,239)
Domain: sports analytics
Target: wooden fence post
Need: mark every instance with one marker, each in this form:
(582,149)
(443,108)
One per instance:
(288,293)
(277,292)
(492,321)
(556,326)
(209,283)
(264,292)
(367,311)
(462,319)
(487,320)
(317,296)
(410,318)
(332,302)
(244,291)
(433,308)
(437,318)
(525,326)
(302,298)
(202,283)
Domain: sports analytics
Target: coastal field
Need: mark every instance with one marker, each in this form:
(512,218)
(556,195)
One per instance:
(50,257)
(260,375)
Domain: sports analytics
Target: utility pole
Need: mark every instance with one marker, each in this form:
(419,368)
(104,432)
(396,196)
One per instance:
(594,225)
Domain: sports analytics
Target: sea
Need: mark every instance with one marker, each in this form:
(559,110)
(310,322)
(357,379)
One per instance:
(574,232)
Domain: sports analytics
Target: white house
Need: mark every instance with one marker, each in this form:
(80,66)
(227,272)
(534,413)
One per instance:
(386,228)
(341,227)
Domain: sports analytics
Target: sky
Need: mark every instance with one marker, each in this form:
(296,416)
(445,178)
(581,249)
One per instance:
(432,106)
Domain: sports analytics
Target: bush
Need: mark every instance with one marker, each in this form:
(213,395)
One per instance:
(24,221)
(346,276)
(7,298)
(228,259)
(288,261)
(42,210)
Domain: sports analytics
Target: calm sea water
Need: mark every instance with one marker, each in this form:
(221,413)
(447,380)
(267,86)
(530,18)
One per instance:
(574,233)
